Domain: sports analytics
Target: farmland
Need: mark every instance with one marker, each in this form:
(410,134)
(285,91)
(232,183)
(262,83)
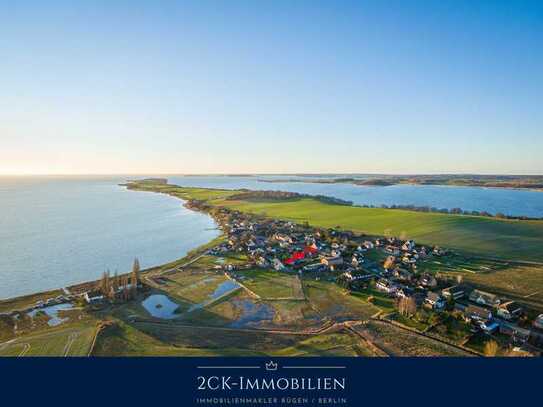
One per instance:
(506,239)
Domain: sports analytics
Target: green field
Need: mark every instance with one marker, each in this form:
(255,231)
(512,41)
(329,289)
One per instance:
(271,284)
(400,342)
(69,341)
(476,235)
(334,303)
(520,283)
(508,239)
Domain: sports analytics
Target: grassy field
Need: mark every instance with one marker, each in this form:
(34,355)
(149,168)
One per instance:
(333,344)
(520,283)
(193,288)
(399,342)
(333,302)
(142,339)
(377,298)
(74,340)
(508,239)
(271,284)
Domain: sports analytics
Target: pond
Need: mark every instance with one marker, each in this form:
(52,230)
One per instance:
(160,306)
(52,312)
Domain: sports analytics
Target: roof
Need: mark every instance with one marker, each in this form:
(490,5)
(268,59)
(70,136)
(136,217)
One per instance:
(478,311)
(483,295)
(433,296)
(455,289)
(511,306)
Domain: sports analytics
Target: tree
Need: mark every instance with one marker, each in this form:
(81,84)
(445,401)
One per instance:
(410,306)
(105,284)
(135,277)
(407,306)
(115,282)
(491,348)
(125,293)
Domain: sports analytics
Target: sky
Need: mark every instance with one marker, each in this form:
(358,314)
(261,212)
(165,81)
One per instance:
(151,87)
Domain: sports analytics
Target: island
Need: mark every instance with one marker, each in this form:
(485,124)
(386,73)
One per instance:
(534,182)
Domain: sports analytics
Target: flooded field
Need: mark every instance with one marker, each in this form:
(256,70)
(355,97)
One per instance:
(223,288)
(52,312)
(252,313)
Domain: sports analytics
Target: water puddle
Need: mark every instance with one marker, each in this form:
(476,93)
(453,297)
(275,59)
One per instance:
(52,313)
(160,306)
(222,289)
(252,313)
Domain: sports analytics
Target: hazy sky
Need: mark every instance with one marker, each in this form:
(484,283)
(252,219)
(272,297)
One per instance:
(271,86)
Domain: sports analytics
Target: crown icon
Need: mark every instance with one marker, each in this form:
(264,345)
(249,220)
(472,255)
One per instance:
(271,365)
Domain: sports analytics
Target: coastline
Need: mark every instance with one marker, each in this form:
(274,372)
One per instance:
(80,288)
(386,183)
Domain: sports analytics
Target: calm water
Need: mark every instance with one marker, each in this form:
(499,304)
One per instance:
(493,200)
(56,232)
(160,306)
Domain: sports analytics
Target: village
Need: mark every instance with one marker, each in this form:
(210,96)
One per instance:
(389,266)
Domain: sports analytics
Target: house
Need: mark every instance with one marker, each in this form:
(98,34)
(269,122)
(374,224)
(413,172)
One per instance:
(538,322)
(408,245)
(455,292)
(404,292)
(428,280)
(484,298)
(395,251)
(509,310)
(283,238)
(277,265)
(314,267)
(262,262)
(386,286)
(434,300)
(489,326)
(92,297)
(332,262)
(476,313)
(402,274)
(517,333)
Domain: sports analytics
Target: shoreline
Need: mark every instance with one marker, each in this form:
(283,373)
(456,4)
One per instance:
(79,288)
(390,183)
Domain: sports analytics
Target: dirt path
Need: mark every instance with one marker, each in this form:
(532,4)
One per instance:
(327,327)
(71,339)
(379,351)
(25,350)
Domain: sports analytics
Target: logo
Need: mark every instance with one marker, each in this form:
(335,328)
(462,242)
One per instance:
(271,366)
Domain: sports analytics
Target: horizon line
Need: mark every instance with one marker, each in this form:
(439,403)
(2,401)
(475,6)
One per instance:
(245,174)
